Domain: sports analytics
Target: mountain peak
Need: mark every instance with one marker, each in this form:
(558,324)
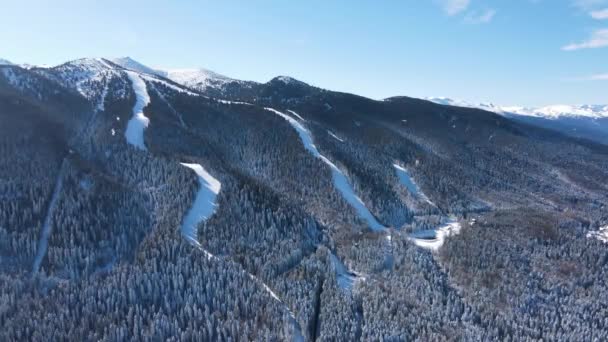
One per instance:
(287,80)
(131,64)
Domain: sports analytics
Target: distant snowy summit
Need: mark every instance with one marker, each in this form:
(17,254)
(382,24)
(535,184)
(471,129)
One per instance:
(556,111)
(5,62)
(588,122)
(199,79)
(548,112)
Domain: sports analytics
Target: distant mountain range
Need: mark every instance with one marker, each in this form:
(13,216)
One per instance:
(581,121)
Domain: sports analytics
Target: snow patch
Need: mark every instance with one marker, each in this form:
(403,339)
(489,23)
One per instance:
(433,239)
(234,102)
(601,234)
(169,85)
(339,179)
(331,134)
(139,122)
(346,278)
(131,64)
(408,182)
(199,79)
(203,207)
(297,115)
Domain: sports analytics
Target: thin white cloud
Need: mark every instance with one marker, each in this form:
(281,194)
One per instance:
(483,17)
(588,5)
(599,14)
(598,77)
(453,7)
(598,39)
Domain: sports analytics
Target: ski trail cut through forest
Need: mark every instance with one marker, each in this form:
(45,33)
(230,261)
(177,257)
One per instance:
(203,207)
(339,178)
(139,122)
(47,225)
(407,181)
(346,278)
(296,325)
(177,114)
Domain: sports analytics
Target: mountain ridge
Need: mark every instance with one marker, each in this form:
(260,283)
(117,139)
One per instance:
(283,211)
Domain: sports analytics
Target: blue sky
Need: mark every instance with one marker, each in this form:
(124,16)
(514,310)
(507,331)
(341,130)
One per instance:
(510,52)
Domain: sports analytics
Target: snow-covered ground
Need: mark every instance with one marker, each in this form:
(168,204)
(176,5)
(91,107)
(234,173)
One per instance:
(408,182)
(203,207)
(101,104)
(47,226)
(346,278)
(297,115)
(601,234)
(174,87)
(139,122)
(339,179)
(331,134)
(433,239)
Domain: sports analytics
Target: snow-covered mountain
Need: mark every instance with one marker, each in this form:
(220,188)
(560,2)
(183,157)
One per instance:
(580,121)
(129,63)
(557,111)
(199,79)
(5,62)
(283,211)
(446,101)
(553,111)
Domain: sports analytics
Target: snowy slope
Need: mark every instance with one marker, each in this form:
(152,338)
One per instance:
(408,182)
(139,122)
(601,234)
(199,79)
(131,64)
(340,181)
(204,204)
(434,239)
(88,76)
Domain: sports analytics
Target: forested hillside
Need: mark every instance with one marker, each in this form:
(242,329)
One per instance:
(133,207)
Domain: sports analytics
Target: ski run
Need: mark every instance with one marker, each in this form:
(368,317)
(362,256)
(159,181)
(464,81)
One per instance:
(339,178)
(139,122)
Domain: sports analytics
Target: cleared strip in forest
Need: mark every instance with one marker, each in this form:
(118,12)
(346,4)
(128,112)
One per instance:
(47,225)
(340,180)
(407,181)
(203,207)
(139,122)
(177,114)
